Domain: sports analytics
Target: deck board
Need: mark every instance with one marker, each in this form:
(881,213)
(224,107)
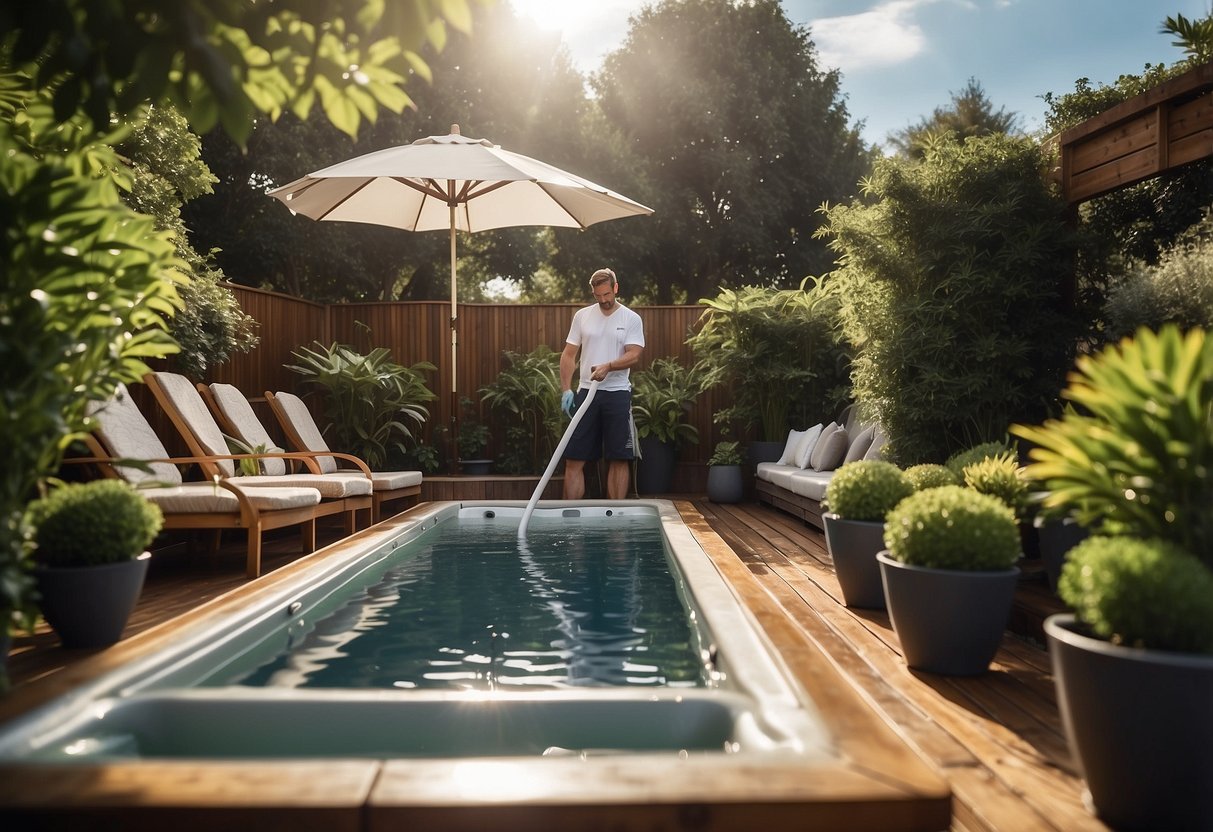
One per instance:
(996,738)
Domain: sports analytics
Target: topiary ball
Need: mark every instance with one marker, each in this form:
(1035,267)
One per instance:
(952,527)
(866,489)
(93,523)
(931,475)
(1140,593)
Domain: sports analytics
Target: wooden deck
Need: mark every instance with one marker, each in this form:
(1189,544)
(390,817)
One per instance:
(996,739)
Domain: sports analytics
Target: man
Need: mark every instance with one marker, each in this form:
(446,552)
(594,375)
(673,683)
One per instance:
(610,338)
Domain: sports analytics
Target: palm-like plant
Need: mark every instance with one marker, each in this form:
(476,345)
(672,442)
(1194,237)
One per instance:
(1138,459)
(526,396)
(662,396)
(370,401)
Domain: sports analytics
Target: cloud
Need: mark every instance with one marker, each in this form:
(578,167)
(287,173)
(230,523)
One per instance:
(885,35)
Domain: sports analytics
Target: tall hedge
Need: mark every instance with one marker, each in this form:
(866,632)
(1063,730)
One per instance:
(955,271)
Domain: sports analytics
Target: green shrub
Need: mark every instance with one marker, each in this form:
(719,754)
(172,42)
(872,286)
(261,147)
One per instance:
(952,527)
(662,396)
(952,271)
(369,400)
(1001,477)
(960,460)
(866,489)
(93,523)
(525,398)
(1140,593)
(726,453)
(931,475)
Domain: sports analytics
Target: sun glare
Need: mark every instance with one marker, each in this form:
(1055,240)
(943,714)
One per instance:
(559,15)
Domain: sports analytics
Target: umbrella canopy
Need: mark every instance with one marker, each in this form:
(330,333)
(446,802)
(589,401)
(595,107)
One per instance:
(453,183)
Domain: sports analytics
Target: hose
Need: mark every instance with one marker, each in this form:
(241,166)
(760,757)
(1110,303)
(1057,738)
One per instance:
(547,475)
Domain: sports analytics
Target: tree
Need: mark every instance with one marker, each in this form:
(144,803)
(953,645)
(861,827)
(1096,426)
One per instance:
(971,114)
(86,283)
(532,106)
(735,137)
(951,271)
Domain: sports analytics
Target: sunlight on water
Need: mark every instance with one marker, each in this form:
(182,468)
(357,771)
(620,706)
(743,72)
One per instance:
(584,603)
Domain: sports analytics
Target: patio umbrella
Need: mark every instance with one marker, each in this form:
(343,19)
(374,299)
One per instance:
(453,183)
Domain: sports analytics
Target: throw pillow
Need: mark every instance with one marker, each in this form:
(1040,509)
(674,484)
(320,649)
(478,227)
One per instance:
(805,448)
(860,444)
(805,457)
(829,451)
(789,449)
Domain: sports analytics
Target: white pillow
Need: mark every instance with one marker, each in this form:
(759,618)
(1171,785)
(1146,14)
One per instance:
(830,450)
(789,449)
(807,443)
(860,444)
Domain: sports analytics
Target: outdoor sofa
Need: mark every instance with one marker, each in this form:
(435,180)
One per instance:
(796,483)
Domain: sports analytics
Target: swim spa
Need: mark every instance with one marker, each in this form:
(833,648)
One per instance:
(728,725)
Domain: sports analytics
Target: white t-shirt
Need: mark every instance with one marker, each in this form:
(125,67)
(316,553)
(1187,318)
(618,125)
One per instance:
(602,339)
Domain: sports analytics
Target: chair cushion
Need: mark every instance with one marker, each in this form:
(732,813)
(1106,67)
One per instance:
(810,484)
(205,498)
(765,469)
(330,486)
(391,480)
(188,402)
(249,429)
(303,423)
(126,434)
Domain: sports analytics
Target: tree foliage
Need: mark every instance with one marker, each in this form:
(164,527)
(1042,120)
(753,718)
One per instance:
(971,114)
(952,271)
(736,136)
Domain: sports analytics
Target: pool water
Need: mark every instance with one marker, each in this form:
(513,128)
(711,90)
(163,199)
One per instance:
(467,607)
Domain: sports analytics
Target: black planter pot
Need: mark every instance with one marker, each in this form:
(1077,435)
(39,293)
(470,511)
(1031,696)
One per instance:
(476,467)
(1057,537)
(655,471)
(1140,723)
(948,621)
(853,545)
(725,484)
(757,452)
(88,606)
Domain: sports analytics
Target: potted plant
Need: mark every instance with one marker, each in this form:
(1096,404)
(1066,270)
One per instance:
(525,401)
(857,498)
(949,576)
(931,475)
(662,396)
(1000,475)
(724,473)
(90,559)
(1133,665)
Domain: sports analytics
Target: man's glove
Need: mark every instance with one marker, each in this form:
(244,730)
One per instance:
(566,403)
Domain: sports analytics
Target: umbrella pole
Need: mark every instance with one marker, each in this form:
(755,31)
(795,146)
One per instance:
(454,355)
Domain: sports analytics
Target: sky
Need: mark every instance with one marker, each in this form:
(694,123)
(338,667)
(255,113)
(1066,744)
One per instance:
(901,59)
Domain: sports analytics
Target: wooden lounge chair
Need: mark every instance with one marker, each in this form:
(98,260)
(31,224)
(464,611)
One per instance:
(303,434)
(122,433)
(236,417)
(345,494)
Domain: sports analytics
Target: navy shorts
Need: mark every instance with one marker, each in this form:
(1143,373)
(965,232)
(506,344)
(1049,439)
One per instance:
(606,428)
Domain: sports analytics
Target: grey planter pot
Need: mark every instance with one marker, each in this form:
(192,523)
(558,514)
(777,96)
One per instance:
(853,545)
(1057,537)
(948,621)
(88,606)
(1140,723)
(725,484)
(763,451)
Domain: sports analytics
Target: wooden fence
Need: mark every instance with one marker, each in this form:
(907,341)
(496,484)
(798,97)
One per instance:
(419,331)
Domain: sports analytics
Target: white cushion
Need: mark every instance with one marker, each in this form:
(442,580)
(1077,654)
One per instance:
(765,469)
(391,480)
(810,484)
(807,442)
(249,430)
(205,498)
(330,486)
(782,476)
(789,449)
(126,434)
(188,402)
(303,423)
